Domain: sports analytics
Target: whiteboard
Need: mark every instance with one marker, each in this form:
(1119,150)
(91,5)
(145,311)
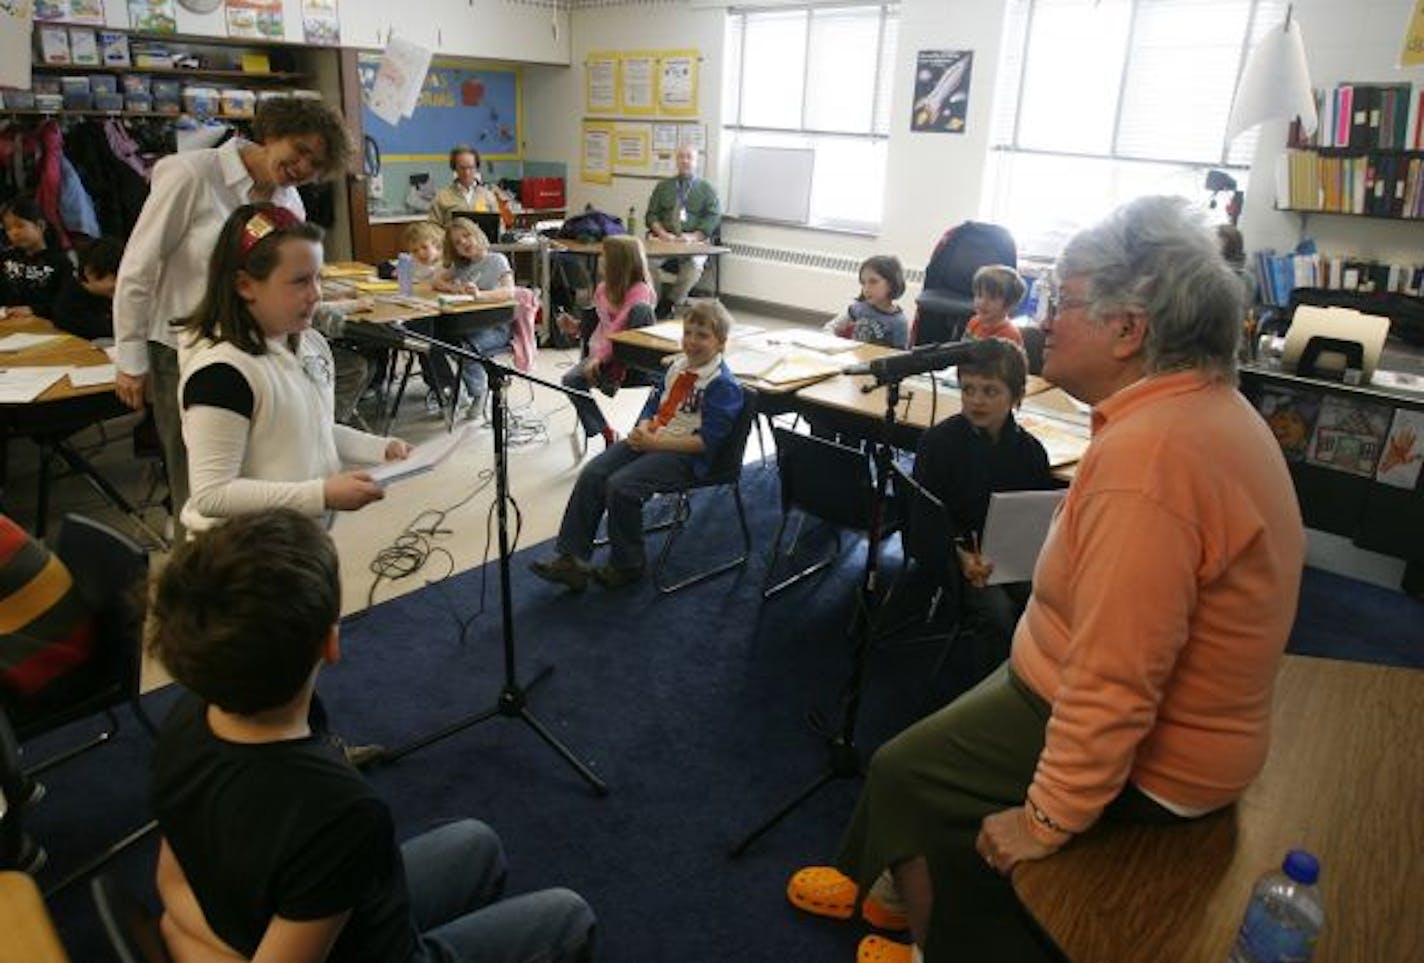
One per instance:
(773,183)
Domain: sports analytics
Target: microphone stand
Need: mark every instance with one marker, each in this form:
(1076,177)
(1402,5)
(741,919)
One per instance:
(513,700)
(842,755)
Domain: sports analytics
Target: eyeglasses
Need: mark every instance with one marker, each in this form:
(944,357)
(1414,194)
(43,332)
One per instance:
(1058,304)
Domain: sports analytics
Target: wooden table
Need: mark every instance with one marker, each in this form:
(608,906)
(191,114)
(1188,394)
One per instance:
(1344,779)
(29,934)
(58,413)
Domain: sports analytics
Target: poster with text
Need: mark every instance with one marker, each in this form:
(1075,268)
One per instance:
(1403,450)
(68,11)
(1349,435)
(601,83)
(255,18)
(16,18)
(153,16)
(942,91)
(321,24)
(596,164)
(677,83)
(450,102)
(637,73)
(631,148)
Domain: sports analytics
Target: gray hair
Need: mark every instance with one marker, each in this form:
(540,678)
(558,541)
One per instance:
(1157,256)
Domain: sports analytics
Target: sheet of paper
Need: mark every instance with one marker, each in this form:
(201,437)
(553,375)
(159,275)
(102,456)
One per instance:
(751,362)
(91,375)
(801,366)
(820,341)
(21,340)
(1014,532)
(20,386)
(665,331)
(422,459)
(1064,440)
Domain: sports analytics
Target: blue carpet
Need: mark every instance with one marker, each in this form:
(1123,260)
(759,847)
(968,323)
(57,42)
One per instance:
(691,707)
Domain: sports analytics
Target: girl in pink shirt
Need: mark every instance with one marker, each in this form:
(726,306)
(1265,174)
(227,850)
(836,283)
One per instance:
(623,299)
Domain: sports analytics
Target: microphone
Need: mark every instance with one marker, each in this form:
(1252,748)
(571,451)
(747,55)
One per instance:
(382,335)
(927,357)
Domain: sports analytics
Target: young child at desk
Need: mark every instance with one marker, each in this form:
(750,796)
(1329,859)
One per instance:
(471,268)
(678,433)
(85,305)
(623,299)
(874,317)
(961,461)
(32,268)
(305,867)
(424,241)
(256,382)
(998,289)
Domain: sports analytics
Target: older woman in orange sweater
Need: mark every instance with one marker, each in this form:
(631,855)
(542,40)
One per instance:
(1139,683)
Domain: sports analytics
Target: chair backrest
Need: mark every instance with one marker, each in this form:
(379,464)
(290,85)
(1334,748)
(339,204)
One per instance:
(964,249)
(130,925)
(109,571)
(1033,347)
(824,479)
(726,464)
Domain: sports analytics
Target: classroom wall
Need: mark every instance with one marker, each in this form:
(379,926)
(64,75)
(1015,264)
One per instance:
(935,180)
(1345,40)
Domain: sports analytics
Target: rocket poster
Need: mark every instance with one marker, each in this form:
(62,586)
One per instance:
(942,90)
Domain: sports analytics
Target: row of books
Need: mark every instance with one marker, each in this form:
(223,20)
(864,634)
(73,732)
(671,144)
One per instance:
(1365,116)
(1360,437)
(1280,274)
(1384,185)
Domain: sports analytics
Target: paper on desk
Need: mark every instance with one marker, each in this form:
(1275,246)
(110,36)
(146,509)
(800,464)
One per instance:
(1064,440)
(820,341)
(421,459)
(1014,532)
(751,362)
(88,376)
(20,386)
(801,366)
(21,340)
(665,331)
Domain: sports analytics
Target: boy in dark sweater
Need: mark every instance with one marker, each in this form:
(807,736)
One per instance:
(274,848)
(32,267)
(85,304)
(961,461)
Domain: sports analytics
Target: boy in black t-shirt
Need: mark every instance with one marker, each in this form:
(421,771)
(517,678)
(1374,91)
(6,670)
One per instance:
(273,845)
(85,304)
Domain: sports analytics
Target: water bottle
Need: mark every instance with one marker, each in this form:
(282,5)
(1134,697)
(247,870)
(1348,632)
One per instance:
(1285,915)
(633,221)
(404,270)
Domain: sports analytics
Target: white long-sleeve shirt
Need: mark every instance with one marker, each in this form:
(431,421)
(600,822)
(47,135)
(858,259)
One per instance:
(280,456)
(165,267)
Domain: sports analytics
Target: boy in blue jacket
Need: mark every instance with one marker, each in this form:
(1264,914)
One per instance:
(678,434)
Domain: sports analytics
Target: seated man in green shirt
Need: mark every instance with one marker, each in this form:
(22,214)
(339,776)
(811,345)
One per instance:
(682,208)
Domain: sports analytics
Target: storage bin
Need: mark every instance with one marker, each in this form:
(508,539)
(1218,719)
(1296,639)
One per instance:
(238,103)
(202,101)
(541,192)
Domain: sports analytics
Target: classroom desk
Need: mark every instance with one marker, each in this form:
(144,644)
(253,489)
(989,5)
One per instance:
(58,413)
(1343,780)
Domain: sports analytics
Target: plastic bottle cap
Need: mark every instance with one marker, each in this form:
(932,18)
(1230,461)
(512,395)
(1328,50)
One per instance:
(1301,867)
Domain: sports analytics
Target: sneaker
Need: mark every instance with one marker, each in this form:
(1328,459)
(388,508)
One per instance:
(563,570)
(877,949)
(826,891)
(617,578)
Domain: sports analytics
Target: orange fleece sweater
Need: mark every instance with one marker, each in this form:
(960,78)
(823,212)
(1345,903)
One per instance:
(1162,603)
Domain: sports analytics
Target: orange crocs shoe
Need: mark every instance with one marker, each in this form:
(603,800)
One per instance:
(826,891)
(877,949)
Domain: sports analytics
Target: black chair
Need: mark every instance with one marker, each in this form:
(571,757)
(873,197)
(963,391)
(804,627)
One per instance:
(131,926)
(109,570)
(1033,347)
(830,482)
(724,472)
(946,302)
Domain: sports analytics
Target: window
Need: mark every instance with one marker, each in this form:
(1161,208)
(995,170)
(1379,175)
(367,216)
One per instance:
(810,80)
(1100,101)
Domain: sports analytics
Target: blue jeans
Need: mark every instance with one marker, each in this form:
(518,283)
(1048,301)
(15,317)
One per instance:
(619,481)
(589,414)
(488,340)
(455,876)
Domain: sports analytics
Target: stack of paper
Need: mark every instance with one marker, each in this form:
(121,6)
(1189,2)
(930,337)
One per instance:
(820,341)
(20,386)
(421,459)
(92,375)
(21,340)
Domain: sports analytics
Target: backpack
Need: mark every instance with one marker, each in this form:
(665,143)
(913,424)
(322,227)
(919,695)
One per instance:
(591,225)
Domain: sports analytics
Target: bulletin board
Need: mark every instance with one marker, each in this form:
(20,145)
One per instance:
(460,103)
(642,83)
(631,148)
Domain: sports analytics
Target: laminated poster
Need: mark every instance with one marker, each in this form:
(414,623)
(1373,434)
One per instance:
(597,162)
(942,90)
(601,94)
(67,11)
(637,73)
(1349,435)
(153,16)
(255,18)
(1403,450)
(677,83)
(1291,416)
(321,24)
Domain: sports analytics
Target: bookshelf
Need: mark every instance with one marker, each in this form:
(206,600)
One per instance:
(1359,182)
